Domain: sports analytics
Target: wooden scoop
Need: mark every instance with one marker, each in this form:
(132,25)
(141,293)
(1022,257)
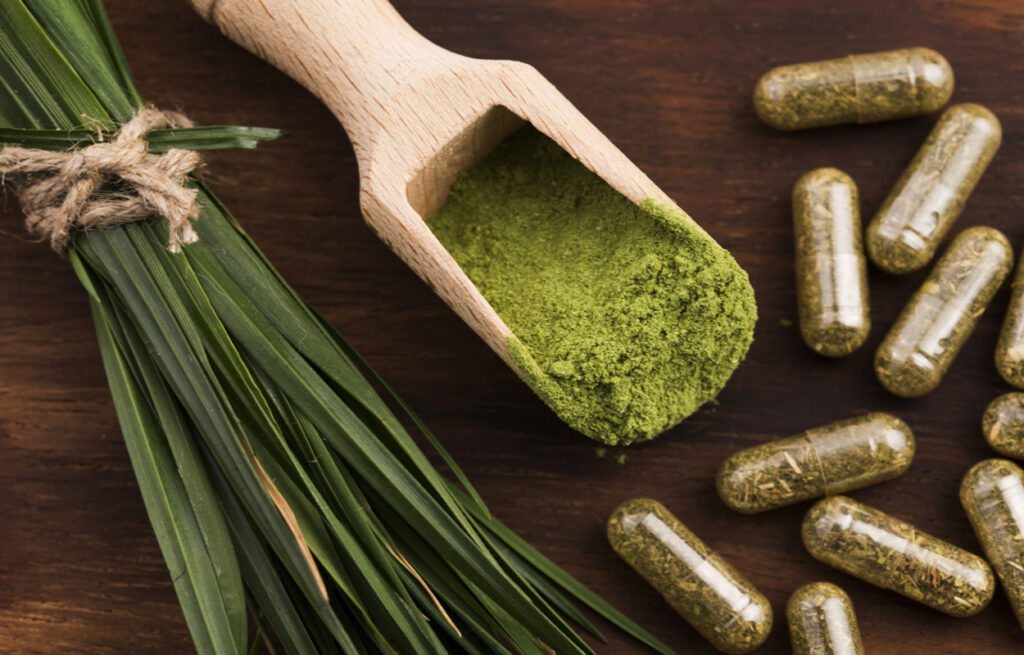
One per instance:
(417,114)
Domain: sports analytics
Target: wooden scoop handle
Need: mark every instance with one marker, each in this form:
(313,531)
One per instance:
(417,115)
(352,54)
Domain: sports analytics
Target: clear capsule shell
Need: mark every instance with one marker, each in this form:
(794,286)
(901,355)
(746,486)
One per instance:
(932,191)
(1010,348)
(942,314)
(826,460)
(1003,424)
(863,88)
(992,493)
(894,555)
(831,270)
(696,582)
(822,622)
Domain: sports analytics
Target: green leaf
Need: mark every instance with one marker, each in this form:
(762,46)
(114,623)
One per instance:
(290,617)
(202,564)
(210,137)
(198,488)
(75,35)
(38,79)
(207,137)
(114,52)
(158,311)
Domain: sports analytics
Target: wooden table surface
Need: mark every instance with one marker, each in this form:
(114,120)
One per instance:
(670,83)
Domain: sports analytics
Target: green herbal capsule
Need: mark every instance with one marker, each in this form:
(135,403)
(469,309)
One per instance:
(831,276)
(705,590)
(932,191)
(993,495)
(938,319)
(857,89)
(827,460)
(1003,424)
(822,622)
(894,555)
(1010,349)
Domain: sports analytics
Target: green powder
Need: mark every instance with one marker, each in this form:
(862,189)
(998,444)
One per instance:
(626,319)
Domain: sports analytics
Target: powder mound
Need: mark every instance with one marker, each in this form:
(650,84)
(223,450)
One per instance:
(626,318)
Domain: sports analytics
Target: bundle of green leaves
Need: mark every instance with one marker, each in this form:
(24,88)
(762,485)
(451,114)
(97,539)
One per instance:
(279,482)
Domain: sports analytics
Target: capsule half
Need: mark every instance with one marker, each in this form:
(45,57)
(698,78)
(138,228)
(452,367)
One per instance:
(831,270)
(894,555)
(992,493)
(1003,425)
(822,622)
(696,582)
(942,314)
(1010,348)
(932,191)
(862,88)
(830,459)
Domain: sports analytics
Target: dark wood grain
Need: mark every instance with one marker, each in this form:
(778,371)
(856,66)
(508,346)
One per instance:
(670,83)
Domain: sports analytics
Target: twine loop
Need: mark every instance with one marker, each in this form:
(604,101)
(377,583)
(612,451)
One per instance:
(107,183)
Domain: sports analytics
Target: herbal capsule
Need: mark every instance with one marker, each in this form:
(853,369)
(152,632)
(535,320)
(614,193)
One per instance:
(821,621)
(1010,349)
(993,495)
(932,191)
(941,315)
(1003,425)
(705,590)
(892,554)
(831,276)
(827,460)
(857,89)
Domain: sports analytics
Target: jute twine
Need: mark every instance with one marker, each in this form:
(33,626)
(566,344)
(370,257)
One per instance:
(107,183)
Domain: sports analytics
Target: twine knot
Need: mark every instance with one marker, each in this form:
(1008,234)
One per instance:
(107,183)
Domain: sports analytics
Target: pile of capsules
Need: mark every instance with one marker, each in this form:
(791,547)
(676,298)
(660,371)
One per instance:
(912,359)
